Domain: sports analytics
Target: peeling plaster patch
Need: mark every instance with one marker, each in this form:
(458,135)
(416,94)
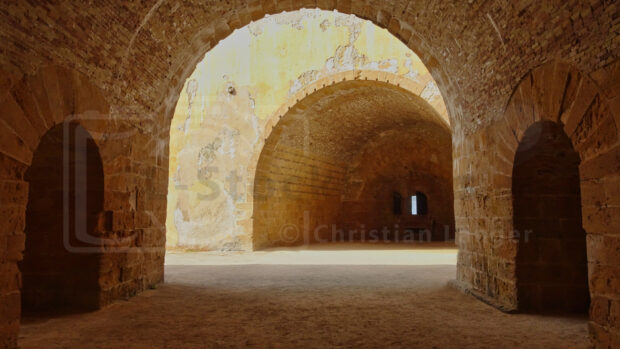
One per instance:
(216,166)
(346,58)
(234,245)
(192,88)
(325,24)
(353,23)
(254,123)
(180,215)
(202,107)
(296,85)
(387,65)
(177,178)
(252,102)
(207,153)
(256,28)
(229,136)
(304,79)
(297,23)
(430,91)
(412,74)
(296,18)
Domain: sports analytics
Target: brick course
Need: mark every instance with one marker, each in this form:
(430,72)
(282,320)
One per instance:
(128,62)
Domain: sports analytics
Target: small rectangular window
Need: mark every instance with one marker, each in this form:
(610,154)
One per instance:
(414,205)
(397,203)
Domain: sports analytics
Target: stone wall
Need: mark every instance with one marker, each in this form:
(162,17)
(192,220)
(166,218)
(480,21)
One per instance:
(404,161)
(585,105)
(296,193)
(140,54)
(130,219)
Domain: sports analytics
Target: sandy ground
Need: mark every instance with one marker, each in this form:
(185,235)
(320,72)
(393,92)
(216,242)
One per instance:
(435,253)
(322,297)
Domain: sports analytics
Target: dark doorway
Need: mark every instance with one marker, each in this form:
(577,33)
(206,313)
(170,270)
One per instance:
(397,204)
(552,275)
(60,268)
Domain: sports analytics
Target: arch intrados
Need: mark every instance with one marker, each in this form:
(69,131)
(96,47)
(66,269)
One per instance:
(398,82)
(522,102)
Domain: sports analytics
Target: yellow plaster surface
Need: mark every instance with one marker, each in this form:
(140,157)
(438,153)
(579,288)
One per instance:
(238,88)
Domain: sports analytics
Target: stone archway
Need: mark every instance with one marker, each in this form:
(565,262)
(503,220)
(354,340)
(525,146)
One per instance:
(480,54)
(551,264)
(555,92)
(309,172)
(224,115)
(60,270)
(200,39)
(42,104)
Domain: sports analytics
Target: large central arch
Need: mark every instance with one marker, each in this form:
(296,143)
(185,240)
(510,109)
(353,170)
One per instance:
(230,106)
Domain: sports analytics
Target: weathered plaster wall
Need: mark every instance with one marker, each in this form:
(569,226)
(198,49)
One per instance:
(245,82)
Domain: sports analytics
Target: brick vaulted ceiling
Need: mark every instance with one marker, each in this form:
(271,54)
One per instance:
(337,121)
(142,52)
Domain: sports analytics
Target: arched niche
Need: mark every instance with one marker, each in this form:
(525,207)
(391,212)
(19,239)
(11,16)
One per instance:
(59,270)
(551,263)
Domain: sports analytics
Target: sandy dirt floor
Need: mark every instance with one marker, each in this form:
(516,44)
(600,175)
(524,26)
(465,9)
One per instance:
(322,297)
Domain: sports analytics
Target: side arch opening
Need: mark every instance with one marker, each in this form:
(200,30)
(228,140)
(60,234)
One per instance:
(59,270)
(551,269)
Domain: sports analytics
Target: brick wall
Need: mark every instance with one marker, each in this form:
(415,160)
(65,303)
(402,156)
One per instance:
(585,107)
(130,218)
(295,193)
(404,161)
(139,54)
